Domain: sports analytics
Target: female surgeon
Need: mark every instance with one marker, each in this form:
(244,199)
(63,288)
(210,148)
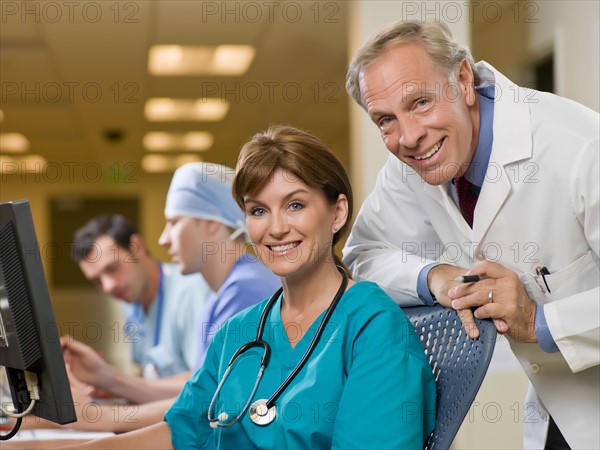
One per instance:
(326,362)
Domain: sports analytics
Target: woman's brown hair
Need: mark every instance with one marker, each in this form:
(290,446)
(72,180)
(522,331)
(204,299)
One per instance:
(299,153)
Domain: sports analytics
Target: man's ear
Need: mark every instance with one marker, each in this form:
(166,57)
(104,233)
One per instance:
(466,81)
(212,227)
(137,246)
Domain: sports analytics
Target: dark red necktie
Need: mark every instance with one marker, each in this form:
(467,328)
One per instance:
(467,198)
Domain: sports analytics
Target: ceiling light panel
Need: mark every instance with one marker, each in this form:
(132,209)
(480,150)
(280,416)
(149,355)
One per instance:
(198,141)
(162,163)
(172,60)
(232,59)
(170,109)
(161,141)
(13,143)
(24,164)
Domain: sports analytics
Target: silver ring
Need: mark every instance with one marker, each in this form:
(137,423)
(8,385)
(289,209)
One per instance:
(491,296)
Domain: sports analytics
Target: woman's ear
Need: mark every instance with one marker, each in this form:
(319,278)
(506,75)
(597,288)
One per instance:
(340,213)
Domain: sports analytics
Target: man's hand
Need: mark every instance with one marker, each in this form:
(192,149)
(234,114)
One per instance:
(85,364)
(499,296)
(439,280)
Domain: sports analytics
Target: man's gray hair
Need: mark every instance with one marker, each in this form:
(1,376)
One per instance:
(435,37)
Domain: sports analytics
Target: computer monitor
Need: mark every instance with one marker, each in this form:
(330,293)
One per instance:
(29,338)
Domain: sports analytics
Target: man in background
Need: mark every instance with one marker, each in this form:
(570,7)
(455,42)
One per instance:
(162,307)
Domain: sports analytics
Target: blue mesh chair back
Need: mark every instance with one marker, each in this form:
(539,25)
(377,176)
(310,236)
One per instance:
(458,362)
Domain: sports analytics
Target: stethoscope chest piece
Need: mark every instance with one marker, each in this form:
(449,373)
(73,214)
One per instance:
(260,414)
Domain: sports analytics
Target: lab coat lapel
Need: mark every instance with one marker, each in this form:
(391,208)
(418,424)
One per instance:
(512,143)
(449,208)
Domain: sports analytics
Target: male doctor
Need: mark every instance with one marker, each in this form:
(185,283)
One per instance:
(490,179)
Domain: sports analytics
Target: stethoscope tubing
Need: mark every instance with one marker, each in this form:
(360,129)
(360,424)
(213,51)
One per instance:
(259,342)
(271,401)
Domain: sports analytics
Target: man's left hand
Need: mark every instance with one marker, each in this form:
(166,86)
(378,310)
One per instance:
(500,296)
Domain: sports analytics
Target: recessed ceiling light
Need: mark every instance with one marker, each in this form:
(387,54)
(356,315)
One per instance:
(13,143)
(33,163)
(27,164)
(165,55)
(159,108)
(7,164)
(186,158)
(170,109)
(159,141)
(156,163)
(210,109)
(165,60)
(162,141)
(197,140)
(162,163)
(232,59)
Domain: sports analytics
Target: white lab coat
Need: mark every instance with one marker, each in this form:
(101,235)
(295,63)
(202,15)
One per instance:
(538,206)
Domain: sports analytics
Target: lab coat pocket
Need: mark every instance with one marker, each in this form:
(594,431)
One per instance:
(579,276)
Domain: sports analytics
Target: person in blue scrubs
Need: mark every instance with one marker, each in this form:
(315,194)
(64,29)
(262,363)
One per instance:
(366,384)
(205,232)
(162,308)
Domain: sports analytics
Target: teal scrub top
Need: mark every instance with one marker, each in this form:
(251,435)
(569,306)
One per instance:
(366,385)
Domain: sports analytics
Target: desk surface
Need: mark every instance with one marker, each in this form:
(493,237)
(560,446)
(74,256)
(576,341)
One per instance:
(45,439)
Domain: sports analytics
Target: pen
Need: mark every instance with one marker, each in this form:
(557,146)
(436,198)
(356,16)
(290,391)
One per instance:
(467,279)
(543,271)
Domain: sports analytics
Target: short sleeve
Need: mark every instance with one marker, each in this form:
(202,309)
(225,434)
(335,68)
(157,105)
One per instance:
(187,417)
(389,397)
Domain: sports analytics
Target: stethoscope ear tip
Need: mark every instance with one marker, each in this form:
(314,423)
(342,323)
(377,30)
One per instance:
(260,413)
(221,418)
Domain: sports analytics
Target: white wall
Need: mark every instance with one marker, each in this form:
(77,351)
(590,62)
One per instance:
(572,29)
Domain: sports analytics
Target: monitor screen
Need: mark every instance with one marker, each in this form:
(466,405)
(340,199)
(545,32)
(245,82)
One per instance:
(29,338)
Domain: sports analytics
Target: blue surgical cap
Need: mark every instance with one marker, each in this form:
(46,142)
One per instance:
(203,191)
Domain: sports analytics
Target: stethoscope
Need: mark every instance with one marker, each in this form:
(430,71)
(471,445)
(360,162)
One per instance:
(263,412)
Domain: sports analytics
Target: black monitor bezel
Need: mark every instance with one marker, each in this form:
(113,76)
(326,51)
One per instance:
(55,403)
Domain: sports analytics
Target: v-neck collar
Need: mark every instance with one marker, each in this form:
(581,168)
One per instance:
(280,339)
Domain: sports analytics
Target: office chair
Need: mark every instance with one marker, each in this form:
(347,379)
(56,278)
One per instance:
(458,363)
